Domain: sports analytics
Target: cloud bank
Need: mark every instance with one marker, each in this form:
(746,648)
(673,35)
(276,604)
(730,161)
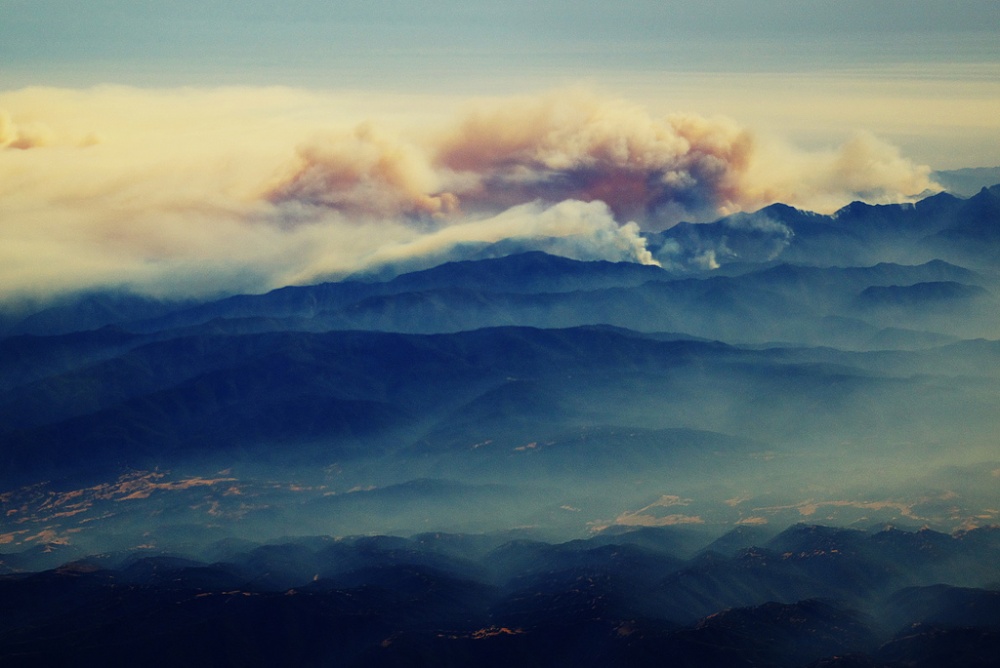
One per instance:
(22,137)
(578,146)
(197,192)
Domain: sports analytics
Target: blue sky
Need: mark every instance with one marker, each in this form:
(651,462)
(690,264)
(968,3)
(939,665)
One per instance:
(390,43)
(742,59)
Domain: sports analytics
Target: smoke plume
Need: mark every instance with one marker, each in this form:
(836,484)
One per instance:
(211,191)
(364,174)
(22,136)
(577,146)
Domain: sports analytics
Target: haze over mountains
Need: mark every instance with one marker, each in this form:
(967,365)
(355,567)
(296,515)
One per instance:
(513,452)
(479,334)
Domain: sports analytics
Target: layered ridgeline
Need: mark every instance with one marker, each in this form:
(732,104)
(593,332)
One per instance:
(807,596)
(771,368)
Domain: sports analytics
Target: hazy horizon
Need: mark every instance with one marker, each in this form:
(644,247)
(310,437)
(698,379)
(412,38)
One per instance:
(538,333)
(203,149)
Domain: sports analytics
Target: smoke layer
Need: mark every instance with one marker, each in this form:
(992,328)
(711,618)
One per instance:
(211,191)
(576,146)
(13,135)
(364,174)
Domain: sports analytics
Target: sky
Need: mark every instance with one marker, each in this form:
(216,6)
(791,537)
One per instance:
(210,146)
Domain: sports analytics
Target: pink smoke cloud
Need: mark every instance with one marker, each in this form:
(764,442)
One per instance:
(575,145)
(206,191)
(578,146)
(364,173)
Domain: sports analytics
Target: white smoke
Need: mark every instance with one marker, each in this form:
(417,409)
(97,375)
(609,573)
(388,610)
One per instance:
(211,191)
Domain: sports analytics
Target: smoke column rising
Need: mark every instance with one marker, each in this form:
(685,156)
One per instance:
(211,191)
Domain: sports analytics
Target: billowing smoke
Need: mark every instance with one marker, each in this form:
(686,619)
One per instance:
(574,145)
(863,168)
(573,229)
(212,191)
(364,174)
(577,146)
(22,136)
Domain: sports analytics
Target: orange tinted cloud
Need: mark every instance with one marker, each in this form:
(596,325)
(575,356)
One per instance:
(22,136)
(198,192)
(576,145)
(364,173)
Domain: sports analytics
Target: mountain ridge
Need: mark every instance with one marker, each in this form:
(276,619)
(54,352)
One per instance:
(778,448)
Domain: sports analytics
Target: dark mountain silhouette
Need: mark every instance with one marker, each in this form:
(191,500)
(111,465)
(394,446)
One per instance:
(776,449)
(381,600)
(521,273)
(939,227)
(91,311)
(926,295)
(968,181)
(357,394)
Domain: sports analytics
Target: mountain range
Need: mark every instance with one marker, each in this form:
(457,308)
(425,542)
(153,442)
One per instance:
(775,446)
(809,595)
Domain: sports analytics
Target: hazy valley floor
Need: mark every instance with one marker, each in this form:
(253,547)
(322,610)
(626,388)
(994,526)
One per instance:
(775,447)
